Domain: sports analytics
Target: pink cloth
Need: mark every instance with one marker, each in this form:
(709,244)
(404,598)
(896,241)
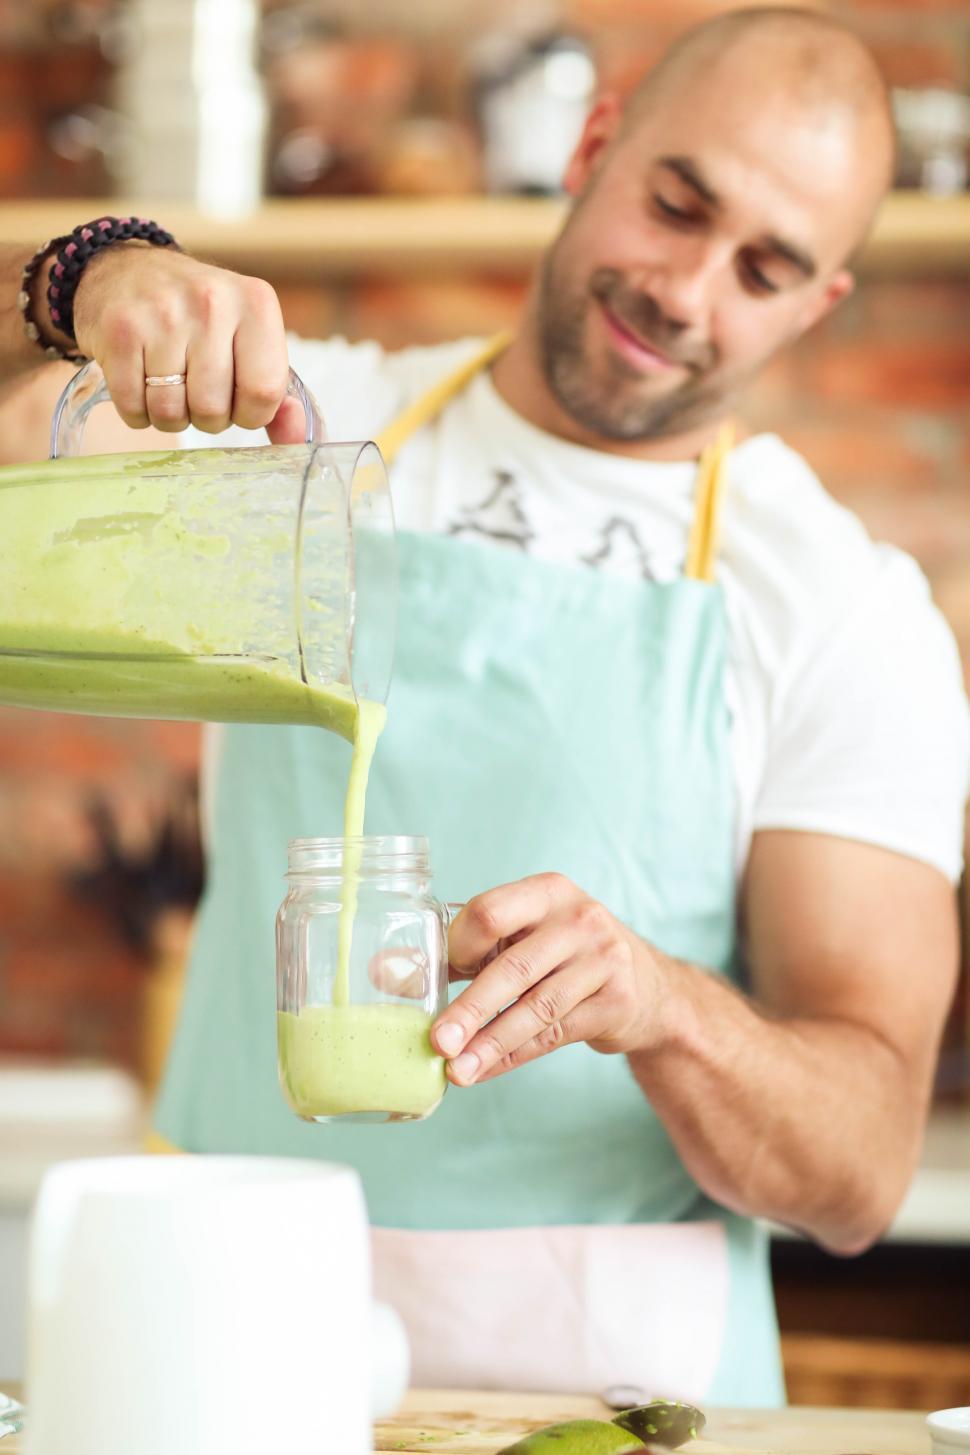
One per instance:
(564,1309)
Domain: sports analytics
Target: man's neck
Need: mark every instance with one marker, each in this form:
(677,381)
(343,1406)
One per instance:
(519,380)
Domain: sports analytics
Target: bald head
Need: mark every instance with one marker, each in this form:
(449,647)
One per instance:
(784,60)
(712,224)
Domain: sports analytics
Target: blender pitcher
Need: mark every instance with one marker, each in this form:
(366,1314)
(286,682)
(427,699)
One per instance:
(248,584)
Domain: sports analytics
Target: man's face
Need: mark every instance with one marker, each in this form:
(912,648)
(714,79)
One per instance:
(700,242)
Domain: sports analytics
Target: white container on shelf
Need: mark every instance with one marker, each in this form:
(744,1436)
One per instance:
(193,106)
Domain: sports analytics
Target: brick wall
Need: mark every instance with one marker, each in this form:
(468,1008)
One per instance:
(876,399)
(73,954)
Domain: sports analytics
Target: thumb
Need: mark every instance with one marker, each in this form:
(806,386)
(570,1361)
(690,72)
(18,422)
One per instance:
(288,426)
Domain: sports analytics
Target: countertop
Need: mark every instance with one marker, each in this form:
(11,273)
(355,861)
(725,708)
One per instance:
(456,1422)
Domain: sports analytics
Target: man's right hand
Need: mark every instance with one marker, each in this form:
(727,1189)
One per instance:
(143,310)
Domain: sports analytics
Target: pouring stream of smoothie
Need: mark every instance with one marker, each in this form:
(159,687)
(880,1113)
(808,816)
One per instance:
(371,717)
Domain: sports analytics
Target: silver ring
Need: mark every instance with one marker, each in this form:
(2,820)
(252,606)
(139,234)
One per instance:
(152,381)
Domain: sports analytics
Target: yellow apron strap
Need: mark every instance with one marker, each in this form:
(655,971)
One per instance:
(708,496)
(155,1143)
(390,440)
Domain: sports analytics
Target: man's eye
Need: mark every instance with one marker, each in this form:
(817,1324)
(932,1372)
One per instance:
(676,214)
(757,280)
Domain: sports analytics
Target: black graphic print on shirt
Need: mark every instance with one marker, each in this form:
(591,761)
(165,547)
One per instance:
(621,549)
(500,516)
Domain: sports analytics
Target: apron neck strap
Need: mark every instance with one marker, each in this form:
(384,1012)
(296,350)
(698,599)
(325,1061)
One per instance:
(425,409)
(711,474)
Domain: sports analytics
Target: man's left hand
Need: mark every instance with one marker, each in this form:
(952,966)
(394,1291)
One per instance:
(549,966)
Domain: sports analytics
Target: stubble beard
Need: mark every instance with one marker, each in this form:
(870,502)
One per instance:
(610,405)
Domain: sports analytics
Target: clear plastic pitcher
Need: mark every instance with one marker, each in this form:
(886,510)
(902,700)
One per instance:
(254,584)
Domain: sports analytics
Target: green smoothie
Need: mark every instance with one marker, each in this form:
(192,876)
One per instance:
(341,1060)
(131,676)
(156,585)
(370,723)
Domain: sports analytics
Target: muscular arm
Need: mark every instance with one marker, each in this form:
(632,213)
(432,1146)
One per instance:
(807,1102)
(804,1101)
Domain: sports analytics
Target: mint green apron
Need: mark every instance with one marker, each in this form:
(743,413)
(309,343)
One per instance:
(542,717)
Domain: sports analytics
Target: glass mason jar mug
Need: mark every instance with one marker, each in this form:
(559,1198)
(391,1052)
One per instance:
(361,975)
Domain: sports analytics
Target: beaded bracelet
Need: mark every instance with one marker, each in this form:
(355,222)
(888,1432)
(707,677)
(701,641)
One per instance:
(74,253)
(25,304)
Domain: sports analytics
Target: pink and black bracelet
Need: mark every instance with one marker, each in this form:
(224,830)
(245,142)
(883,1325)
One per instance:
(25,303)
(75,251)
(78,251)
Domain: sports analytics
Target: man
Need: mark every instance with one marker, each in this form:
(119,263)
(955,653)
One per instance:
(646,787)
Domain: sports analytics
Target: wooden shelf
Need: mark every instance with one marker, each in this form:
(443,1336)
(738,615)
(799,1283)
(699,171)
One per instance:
(344,237)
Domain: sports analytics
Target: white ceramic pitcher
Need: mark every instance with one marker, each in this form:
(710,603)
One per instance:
(204,1305)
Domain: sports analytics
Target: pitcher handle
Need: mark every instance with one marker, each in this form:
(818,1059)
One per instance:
(88,388)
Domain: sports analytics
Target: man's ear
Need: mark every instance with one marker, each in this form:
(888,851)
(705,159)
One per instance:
(602,125)
(836,291)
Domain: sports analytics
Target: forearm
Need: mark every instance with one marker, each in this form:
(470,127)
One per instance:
(810,1122)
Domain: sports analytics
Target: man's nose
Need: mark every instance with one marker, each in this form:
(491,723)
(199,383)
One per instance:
(685,283)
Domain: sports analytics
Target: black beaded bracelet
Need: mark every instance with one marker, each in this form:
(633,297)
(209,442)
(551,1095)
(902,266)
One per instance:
(78,251)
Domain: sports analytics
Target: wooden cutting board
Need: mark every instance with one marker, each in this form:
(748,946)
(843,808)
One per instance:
(453,1422)
(457,1423)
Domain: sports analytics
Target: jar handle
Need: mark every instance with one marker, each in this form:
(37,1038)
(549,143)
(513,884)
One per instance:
(88,388)
(451,910)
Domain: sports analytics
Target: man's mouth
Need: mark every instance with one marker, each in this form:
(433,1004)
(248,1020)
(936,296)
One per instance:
(645,357)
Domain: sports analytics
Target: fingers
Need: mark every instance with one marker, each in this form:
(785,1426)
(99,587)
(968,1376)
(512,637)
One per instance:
(208,390)
(236,367)
(502,913)
(261,370)
(553,1013)
(124,373)
(143,311)
(575,976)
(580,1025)
(166,404)
(288,425)
(514,972)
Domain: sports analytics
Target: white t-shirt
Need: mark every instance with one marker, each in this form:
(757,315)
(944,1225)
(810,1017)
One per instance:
(844,686)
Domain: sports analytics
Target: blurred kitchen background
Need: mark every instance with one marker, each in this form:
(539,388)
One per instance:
(393,170)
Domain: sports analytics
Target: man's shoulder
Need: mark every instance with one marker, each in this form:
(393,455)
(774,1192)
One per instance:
(804,569)
(775,493)
(781,519)
(361,386)
(855,669)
